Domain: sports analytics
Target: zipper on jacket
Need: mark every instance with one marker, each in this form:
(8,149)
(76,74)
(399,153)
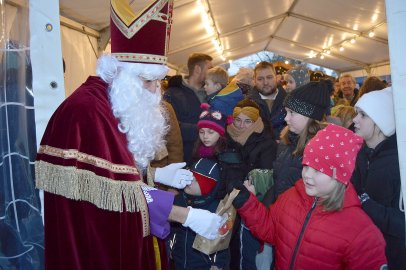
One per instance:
(292,262)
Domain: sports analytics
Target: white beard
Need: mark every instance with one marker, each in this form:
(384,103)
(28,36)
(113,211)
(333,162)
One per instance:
(142,118)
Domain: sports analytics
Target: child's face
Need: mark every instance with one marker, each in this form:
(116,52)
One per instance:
(208,136)
(317,184)
(296,122)
(193,189)
(290,83)
(210,87)
(364,126)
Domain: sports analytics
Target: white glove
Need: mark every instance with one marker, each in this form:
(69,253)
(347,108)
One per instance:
(203,222)
(173,175)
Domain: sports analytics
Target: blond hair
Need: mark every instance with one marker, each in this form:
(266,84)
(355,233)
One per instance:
(218,75)
(345,114)
(335,200)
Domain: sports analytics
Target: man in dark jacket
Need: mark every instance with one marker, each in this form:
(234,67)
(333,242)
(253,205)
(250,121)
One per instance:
(269,97)
(185,97)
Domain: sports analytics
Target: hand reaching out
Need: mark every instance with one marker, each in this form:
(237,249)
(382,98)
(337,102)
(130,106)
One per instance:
(173,175)
(249,186)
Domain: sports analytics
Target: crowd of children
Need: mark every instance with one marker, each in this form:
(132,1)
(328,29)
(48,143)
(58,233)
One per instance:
(331,203)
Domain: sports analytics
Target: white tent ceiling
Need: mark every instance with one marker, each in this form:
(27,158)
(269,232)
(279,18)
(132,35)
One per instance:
(291,28)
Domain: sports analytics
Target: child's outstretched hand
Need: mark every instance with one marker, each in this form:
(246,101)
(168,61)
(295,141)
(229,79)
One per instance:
(249,186)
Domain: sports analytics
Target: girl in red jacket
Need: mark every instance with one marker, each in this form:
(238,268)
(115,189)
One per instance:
(318,223)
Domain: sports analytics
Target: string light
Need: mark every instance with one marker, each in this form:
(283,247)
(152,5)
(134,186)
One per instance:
(340,45)
(210,27)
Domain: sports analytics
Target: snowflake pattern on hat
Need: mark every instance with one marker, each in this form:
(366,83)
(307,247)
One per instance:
(337,149)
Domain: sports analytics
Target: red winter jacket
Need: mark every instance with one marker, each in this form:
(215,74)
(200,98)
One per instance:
(306,237)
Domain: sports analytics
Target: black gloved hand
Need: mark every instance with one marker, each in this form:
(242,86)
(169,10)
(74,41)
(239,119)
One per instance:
(242,196)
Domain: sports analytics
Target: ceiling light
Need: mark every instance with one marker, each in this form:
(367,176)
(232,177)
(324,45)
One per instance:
(322,56)
(287,62)
(328,51)
(341,48)
(352,40)
(371,34)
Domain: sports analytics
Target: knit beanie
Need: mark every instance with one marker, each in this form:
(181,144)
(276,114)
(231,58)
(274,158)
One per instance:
(378,105)
(311,100)
(207,174)
(300,74)
(214,120)
(333,151)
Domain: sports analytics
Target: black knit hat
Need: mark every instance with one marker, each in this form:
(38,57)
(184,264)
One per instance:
(311,100)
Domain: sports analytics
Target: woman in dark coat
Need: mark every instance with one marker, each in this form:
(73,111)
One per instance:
(377,176)
(254,148)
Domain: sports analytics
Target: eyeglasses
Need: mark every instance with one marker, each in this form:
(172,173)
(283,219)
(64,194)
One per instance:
(246,122)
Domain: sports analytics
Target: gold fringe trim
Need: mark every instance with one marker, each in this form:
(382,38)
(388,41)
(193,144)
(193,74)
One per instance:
(105,193)
(78,184)
(151,176)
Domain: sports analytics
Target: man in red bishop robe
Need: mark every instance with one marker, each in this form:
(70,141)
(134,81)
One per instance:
(101,209)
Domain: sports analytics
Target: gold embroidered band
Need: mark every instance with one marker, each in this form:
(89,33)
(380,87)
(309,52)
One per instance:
(88,159)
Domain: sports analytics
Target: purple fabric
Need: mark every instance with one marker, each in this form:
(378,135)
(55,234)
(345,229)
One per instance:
(159,206)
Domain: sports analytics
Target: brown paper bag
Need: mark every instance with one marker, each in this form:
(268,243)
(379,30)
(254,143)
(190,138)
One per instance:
(228,212)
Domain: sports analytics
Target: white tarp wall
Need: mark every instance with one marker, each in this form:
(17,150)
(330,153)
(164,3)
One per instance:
(80,59)
(46,57)
(377,71)
(395,13)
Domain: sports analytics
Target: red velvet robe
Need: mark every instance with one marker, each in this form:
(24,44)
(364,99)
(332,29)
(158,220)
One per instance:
(95,214)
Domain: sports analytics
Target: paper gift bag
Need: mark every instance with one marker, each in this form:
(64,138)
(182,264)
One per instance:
(228,212)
